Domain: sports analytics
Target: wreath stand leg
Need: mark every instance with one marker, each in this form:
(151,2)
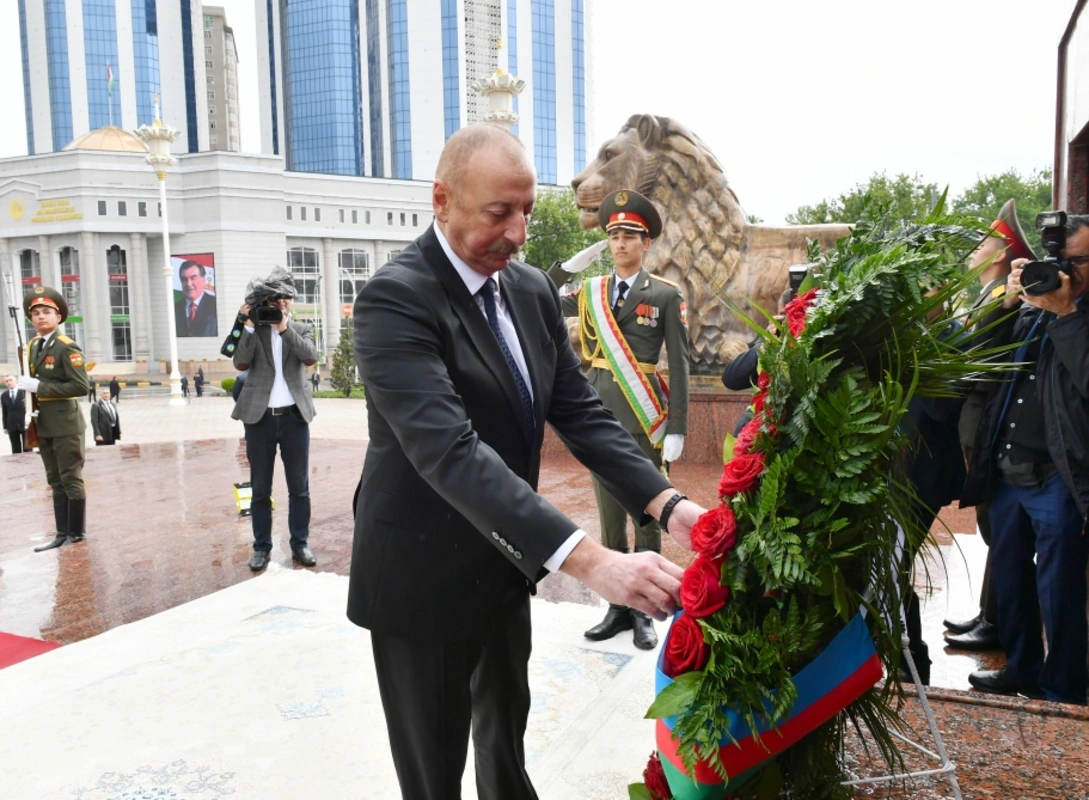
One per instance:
(947,767)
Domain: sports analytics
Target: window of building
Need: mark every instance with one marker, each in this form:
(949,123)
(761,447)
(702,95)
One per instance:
(213,139)
(342,215)
(159,206)
(207,50)
(70,288)
(211,95)
(355,268)
(389,217)
(101,208)
(402,219)
(302,262)
(141,208)
(355,217)
(317,215)
(122,208)
(209,79)
(208,64)
(211,124)
(302,213)
(289,212)
(415,221)
(208,22)
(207,34)
(118,276)
(30,268)
(211,109)
(366,218)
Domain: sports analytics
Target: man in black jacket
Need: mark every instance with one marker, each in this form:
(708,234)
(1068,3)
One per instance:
(13,403)
(1031,457)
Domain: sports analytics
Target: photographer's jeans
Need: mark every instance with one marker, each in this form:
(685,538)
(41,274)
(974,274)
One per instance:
(293,437)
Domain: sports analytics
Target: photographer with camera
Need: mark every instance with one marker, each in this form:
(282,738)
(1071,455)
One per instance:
(1031,460)
(276,406)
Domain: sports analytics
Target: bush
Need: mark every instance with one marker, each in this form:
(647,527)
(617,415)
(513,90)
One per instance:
(227,384)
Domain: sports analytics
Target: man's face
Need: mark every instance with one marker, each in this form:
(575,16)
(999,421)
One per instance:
(9,381)
(627,248)
(987,249)
(485,217)
(105,395)
(192,283)
(1077,250)
(45,319)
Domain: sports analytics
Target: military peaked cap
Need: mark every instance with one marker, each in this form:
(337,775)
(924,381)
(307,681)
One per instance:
(630,211)
(1009,229)
(44,296)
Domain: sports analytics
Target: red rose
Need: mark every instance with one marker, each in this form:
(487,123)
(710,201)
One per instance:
(758,401)
(701,592)
(715,532)
(747,435)
(763,381)
(655,779)
(795,311)
(685,650)
(741,474)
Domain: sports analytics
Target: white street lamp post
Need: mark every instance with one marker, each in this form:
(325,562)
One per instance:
(158,137)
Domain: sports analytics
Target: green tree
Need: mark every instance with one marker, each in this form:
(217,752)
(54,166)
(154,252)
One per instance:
(905,197)
(986,197)
(554,230)
(342,376)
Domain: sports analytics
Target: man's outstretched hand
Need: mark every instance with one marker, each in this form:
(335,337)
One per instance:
(643,581)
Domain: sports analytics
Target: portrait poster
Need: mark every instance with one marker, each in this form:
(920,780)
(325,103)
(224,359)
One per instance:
(195,313)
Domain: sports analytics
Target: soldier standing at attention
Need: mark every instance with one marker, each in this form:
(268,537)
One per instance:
(624,319)
(58,379)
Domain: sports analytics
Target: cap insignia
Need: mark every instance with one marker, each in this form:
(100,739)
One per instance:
(621,199)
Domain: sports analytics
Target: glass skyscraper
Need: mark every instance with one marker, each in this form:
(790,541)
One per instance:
(395,81)
(78,76)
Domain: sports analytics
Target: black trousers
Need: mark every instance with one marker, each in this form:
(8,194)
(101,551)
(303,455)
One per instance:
(292,436)
(432,691)
(16,438)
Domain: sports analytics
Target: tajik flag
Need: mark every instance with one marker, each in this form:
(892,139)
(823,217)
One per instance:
(109,79)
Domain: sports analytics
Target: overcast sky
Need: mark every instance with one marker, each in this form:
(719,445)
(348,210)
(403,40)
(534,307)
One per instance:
(799,100)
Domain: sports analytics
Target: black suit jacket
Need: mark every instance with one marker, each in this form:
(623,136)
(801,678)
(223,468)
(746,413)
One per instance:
(204,324)
(14,412)
(448,519)
(101,423)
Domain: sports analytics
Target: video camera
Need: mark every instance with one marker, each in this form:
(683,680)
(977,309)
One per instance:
(262,296)
(797,277)
(1041,277)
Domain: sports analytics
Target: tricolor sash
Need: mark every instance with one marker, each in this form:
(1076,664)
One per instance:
(613,347)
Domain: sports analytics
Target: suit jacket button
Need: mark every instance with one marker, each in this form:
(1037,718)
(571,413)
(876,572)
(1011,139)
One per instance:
(502,541)
(517,554)
(510,547)
(495,535)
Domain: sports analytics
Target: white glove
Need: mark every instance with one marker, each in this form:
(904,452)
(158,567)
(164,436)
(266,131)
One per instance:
(28,384)
(672,446)
(584,258)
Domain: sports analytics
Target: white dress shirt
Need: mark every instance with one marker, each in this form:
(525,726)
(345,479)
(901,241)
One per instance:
(474,281)
(280,394)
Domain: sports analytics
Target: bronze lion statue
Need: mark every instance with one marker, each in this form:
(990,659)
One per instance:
(707,246)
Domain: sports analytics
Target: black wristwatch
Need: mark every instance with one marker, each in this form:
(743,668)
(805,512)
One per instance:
(667,509)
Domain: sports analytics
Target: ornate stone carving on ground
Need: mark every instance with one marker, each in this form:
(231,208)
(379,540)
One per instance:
(706,241)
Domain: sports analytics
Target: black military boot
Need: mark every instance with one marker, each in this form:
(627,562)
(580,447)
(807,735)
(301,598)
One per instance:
(644,636)
(60,517)
(617,619)
(77,513)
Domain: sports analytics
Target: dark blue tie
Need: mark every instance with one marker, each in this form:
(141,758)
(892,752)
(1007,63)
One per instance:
(488,292)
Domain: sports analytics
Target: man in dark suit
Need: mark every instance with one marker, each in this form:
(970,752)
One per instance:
(115,390)
(464,356)
(276,407)
(105,421)
(195,313)
(13,404)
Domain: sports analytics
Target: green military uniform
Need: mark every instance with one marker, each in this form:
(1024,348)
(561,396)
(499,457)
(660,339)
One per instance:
(57,362)
(650,314)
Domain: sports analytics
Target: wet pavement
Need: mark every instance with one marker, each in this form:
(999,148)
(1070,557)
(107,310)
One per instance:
(163,529)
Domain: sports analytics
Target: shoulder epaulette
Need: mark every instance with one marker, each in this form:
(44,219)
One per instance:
(64,339)
(32,341)
(663,280)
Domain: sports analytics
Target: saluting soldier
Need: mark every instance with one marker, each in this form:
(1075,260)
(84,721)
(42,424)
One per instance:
(58,379)
(624,320)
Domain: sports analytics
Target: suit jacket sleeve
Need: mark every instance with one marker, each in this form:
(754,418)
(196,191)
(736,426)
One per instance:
(399,348)
(247,346)
(69,379)
(559,276)
(299,339)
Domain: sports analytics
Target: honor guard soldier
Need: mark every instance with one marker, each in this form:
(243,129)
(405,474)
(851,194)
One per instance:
(58,379)
(624,320)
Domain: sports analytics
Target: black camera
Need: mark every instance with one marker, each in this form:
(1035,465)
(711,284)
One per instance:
(1041,277)
(267,315)
(797,277)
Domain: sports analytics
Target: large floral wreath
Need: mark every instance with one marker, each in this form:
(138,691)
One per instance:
(814,500)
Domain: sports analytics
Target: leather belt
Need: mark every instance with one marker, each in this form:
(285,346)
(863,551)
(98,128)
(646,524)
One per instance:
(649,369)
(281,410)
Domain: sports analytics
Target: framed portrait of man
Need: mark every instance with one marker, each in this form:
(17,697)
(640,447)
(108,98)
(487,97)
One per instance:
(195,295)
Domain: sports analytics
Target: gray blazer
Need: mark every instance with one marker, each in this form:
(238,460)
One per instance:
(254,353)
